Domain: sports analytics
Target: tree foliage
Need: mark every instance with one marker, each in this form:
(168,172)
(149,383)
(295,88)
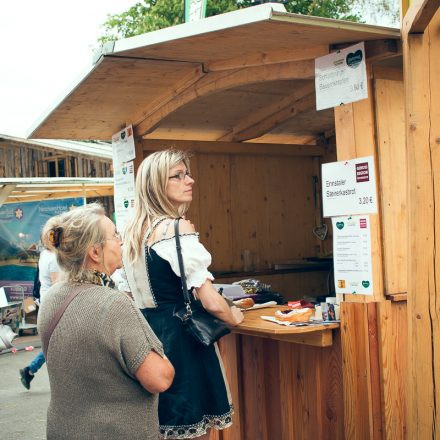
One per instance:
(151,15)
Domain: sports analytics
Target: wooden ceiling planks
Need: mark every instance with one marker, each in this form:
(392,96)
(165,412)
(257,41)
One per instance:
(114,88)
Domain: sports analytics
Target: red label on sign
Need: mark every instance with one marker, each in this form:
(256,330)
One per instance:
(362,173)
(363,223)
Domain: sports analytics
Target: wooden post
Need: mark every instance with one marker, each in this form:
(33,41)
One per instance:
(356,137)
(422,70)
(404,5)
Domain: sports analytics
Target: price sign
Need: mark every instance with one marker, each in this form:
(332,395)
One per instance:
(341,77)
(349,187)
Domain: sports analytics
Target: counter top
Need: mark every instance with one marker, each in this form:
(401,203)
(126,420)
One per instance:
(319,335)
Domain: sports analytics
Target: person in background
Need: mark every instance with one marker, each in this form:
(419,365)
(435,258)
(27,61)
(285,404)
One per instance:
(104,362)
(48,275)
(199,398)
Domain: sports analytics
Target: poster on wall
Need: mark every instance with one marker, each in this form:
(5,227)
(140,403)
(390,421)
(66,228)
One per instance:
(341,77)
(352,255)
(20,245)
(349,187)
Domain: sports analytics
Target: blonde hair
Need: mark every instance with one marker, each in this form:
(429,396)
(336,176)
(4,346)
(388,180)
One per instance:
(70,236)
(151,200)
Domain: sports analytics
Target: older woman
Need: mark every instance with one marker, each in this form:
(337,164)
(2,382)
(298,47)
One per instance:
(198,399)
(105,364)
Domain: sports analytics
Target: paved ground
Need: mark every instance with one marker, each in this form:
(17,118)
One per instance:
(22,412)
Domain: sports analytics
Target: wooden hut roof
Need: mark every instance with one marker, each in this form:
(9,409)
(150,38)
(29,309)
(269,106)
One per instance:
(208,80)
(13,190)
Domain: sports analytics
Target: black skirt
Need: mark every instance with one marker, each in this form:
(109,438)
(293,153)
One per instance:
(199,397)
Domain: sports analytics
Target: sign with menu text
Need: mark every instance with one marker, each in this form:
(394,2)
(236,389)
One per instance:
(341,77)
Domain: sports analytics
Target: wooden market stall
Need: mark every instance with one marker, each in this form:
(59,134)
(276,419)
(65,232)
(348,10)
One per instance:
(238,90)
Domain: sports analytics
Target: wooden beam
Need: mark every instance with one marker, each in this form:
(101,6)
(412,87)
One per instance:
(382,49)
(392,73)
(265,58)
(27,197)
(404,6)
(239,148)
(362,406)
(265,119)
(356,137)
(55,157)
(419,15)
(396,297)
(376,50)
(5,191)
(217,81)
(421,73)
(173,91)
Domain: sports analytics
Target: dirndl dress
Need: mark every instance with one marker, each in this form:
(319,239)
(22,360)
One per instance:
(199,397)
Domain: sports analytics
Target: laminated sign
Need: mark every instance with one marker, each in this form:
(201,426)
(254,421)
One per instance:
(352,255)
(123,169)
(349,187)
(341,77)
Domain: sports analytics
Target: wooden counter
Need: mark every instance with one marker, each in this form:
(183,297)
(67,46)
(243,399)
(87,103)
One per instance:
(319,335)
(285,382)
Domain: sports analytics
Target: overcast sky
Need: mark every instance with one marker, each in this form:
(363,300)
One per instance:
(45,46)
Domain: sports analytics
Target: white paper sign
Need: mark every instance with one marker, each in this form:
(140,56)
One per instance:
(352,255)
(124,183)
(341,77)
(123,170)
(349,187)
(123,146)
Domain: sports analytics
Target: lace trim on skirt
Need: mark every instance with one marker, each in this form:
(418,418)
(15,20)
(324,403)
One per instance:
(198,429)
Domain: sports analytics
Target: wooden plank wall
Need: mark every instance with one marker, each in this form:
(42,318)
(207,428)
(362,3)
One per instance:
(422,71)
(392,316)
(261,205)
(282,390)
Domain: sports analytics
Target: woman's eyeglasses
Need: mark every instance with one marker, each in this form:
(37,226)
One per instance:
(181,175)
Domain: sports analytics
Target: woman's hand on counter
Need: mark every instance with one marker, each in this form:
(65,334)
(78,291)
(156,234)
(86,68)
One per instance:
(215,304)
(237,315)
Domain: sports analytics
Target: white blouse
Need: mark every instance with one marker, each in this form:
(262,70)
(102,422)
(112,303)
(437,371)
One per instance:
(196,259)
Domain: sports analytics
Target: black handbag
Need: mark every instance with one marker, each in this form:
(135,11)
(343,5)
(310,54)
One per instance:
(199,323)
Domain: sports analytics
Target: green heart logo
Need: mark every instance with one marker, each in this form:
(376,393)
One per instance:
(365,283)
(354,59)
(126,203)
(339,225)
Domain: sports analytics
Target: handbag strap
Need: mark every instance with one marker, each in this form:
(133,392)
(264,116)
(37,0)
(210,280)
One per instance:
(59,313)
(181,267)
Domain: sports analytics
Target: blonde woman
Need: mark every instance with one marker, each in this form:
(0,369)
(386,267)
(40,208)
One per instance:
(199,398)
(105,364)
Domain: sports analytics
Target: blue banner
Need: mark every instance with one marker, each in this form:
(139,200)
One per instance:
(20,245)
